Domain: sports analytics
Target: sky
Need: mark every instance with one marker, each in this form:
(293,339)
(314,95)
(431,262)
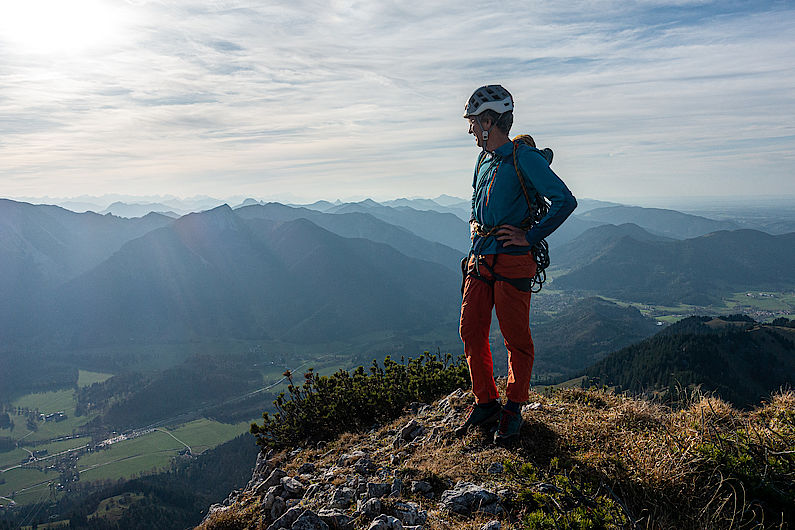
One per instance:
(345,99)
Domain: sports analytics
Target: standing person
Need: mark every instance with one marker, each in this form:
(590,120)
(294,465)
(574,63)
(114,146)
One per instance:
(501,268)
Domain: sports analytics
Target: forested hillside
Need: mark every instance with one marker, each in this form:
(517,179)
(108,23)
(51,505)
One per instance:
(740,360)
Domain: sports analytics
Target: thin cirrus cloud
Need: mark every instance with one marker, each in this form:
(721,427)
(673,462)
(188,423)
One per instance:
(356,99)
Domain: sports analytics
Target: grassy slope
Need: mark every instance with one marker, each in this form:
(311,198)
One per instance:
(614,460)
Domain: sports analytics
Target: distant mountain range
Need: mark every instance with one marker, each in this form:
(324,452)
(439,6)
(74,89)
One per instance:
(270,271)
(669,223)
(218,274)
(630,264)
(41,247)
(444,228)
(742,360)
(359,225)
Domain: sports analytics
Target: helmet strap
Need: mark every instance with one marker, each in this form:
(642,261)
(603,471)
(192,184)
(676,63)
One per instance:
(485,132)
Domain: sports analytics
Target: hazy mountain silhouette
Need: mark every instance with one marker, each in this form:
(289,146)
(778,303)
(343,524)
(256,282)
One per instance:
(586,205)
(659,221)
(44,246)
(571,229)
(130,210)
(444,228)
(461,209)
(595,241)
(694,271)
(361,225)
(217,275)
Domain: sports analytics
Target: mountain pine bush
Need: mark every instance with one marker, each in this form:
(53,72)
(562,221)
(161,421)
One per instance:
(324,407)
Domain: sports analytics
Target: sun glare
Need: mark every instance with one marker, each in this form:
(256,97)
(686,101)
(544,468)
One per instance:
(56,26)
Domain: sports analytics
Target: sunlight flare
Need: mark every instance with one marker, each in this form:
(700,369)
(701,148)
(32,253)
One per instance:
(56,27)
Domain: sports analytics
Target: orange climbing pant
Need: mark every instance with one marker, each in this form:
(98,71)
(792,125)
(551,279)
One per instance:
(513,314)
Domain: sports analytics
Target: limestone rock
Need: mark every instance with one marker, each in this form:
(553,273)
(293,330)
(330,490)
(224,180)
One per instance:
(217,508)
(278,508)
(408,433)
(532,406)
(375,489)
(292,486)
(348,459)
(409,513)
(364,466)
(335,519)
(313,490)
(309,520)
(274,479)
(466,498)
(306,468)
(270,496)
(492,525)
(262,469)
(287,519)
(397,488)
(342,497)
(421,487)
(385,522)
(371,508)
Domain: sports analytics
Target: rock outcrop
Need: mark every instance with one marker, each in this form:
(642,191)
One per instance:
(361,487)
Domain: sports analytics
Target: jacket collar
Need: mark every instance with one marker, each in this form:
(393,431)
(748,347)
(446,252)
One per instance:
(504,150)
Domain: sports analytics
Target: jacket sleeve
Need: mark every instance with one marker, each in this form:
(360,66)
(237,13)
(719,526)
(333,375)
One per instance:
(535,170)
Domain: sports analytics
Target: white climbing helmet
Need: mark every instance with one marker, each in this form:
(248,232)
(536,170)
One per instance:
(489,97)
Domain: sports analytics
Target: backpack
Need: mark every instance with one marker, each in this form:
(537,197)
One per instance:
(538,207)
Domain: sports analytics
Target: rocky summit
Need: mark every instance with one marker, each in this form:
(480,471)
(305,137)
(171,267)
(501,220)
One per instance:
(374,480)
(585,458)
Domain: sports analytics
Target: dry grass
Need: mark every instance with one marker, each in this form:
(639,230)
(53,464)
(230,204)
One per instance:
(702,465)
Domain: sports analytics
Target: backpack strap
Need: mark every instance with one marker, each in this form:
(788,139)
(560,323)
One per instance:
(538,208)
(522,138)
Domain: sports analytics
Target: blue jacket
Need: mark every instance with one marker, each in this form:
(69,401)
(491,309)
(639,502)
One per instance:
(497,198)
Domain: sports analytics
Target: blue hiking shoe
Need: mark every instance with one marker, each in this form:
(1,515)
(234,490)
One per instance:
(480,416)
(508,430)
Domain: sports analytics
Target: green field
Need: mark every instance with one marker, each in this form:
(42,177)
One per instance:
(148,453)
(86,378)
(761,301)
(204,434)
(761,306)
(145,453)
(23,485)
(12,458)
(46,402)
(113,508)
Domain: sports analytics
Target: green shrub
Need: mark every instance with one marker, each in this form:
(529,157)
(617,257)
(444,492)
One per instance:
(327,406)
(558,499)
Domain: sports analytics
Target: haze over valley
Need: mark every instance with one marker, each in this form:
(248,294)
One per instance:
(130,341)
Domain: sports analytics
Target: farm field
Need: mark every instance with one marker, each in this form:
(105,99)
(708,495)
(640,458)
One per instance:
(86,378)
(149,452)
(761,306)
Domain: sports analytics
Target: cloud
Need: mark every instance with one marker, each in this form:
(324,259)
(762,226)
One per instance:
(364,98)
